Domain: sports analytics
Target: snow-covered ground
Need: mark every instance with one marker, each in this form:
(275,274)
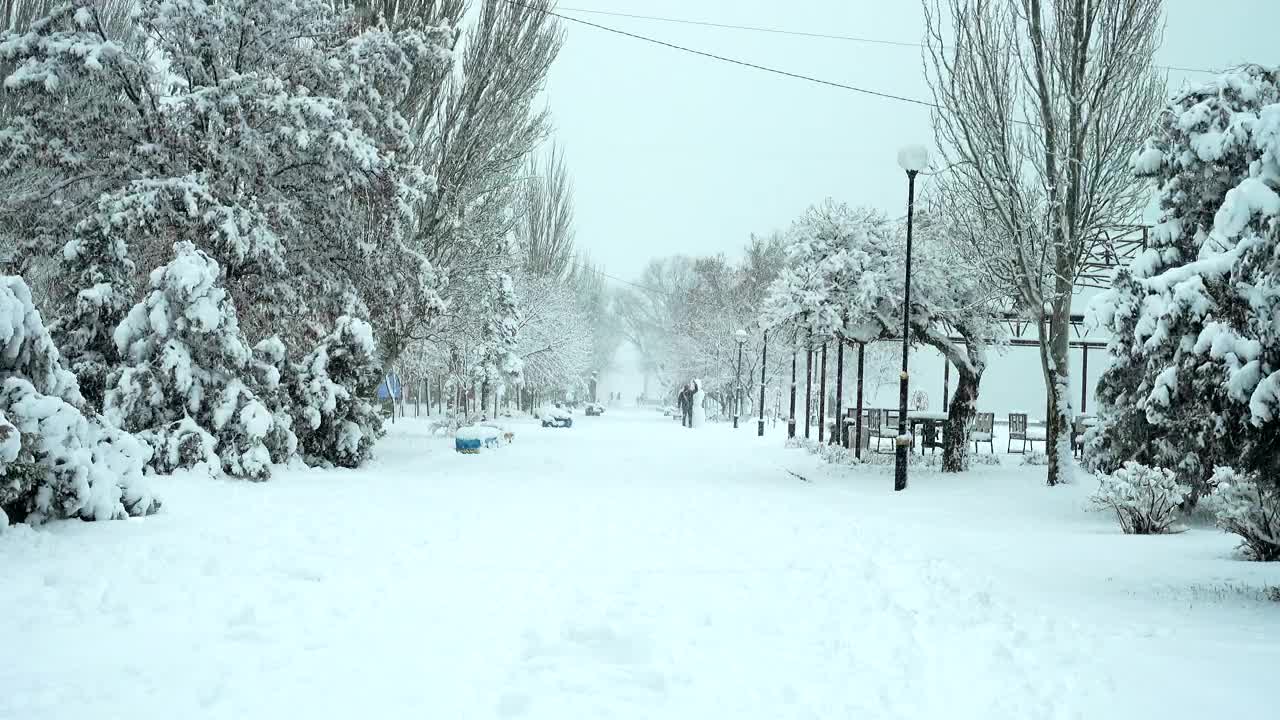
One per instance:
(628,568)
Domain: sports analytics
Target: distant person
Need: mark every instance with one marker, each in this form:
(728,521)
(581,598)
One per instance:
(686,406)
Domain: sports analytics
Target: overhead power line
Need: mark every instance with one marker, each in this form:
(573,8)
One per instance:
(751,28)
(799,33)
(722,58)
(603,274)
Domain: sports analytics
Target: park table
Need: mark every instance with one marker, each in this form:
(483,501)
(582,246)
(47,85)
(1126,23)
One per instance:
(923,417)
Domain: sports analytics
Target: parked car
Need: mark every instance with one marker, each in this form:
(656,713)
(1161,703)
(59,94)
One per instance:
(594,409)
(557,417)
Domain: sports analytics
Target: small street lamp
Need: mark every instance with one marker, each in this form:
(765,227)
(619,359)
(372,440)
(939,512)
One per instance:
(741,336)
(912,159)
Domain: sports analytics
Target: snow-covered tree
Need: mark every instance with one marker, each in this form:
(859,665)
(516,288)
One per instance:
(1195,375)
(186,365)
(500,360)
(1038,105)
(555,340)
(844,281)
(335,419)
(57,458)
(213,123)
(474,137)
(274,376)
(97,277)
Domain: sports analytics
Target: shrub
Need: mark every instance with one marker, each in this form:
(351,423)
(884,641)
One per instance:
(335,422)
(1035,458)
(1245,507)
(1144,499)
(58,458)
(179,445)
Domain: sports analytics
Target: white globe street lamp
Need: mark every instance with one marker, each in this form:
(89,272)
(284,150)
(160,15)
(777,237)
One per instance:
(913,159)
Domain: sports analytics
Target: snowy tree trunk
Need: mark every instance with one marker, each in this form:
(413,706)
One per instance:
(964,404)
(1055,363)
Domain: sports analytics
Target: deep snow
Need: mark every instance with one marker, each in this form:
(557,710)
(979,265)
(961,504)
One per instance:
(628,568)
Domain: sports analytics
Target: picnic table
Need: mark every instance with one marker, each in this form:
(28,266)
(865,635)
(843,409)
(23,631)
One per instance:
(924,417)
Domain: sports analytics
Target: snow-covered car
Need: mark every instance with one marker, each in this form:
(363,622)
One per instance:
(594,409)
(557,417)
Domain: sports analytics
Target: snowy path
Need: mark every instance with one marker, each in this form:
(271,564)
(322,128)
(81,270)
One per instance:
(625,569)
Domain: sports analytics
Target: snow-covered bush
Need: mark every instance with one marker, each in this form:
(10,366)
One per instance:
(1035,458)
(185,358)
(57,460)
(336,420)
(1144,499)
(1245,507)
(180,444)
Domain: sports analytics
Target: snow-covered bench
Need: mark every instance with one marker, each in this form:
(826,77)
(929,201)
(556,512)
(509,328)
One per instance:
(471,439)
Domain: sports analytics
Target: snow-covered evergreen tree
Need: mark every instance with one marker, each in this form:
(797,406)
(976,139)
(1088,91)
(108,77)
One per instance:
(1195,374)
(97,281)
(500,338)
(335,419)
(185,362)
(274,376)
(57,460)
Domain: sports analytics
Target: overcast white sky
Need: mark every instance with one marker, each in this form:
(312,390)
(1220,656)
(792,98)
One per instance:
(673,153)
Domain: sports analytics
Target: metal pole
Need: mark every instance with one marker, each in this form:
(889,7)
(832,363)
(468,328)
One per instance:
(1084,380)
(842,432)
(946,381)
(791,419)
(822,395)
(900,464)
(737,391)
(808,384)
(764,360)
(857,442)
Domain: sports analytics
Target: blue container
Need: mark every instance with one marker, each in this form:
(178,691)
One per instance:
(466,446)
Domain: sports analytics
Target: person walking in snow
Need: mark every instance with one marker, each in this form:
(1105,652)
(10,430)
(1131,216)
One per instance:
(686,406)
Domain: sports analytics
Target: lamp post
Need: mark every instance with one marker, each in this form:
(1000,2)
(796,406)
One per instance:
(912,159)
(764,360)
(741,336)
(791,417)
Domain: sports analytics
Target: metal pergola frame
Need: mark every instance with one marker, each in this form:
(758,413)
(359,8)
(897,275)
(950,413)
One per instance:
(1111,249)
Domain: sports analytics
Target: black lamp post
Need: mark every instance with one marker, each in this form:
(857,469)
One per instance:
(912,159)
(791,417)
(741,336)
(764,359)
